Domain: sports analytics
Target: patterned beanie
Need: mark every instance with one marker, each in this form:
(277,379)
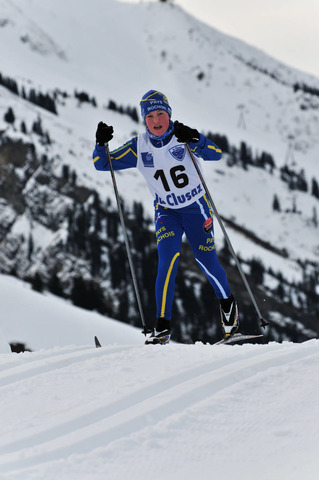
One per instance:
(154,100)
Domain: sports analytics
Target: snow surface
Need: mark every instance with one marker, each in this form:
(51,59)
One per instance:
(130,411)
(134,412)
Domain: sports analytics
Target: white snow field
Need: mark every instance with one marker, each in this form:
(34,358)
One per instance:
(128,411)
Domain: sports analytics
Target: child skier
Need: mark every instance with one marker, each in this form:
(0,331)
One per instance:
(180,203)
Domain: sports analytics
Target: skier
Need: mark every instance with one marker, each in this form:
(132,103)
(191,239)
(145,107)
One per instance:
(179,200)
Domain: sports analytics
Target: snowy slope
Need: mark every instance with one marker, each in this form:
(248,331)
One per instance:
(45,321)
(117,51)
(132,411)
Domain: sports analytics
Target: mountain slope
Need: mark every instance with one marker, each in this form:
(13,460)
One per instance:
(113,51)
(44,321)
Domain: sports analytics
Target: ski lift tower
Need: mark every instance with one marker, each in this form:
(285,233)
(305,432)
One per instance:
(242,120)
(290,156)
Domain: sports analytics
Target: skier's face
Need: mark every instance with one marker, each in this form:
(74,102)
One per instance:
(157,122)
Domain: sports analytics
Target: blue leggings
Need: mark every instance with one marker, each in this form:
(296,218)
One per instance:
(170,225)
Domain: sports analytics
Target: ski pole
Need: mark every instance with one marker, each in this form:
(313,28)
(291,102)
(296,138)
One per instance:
(127,245)
(263,322)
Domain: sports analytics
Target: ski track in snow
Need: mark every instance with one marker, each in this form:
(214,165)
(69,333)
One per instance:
(147,404)
(35,366)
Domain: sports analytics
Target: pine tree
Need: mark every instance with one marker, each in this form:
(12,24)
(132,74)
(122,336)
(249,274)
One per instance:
(79,294)
(257,271)
(118,266)
(112,226)
(112,105)
(245,155)
(73,178)
(37,127)
(37,283)
(226,253)
(9,116)
(23,127)
(124,306)
(66,172)
(276,204)
(315,217)
(315,188)
(95,254)
(55,286)
(30,246)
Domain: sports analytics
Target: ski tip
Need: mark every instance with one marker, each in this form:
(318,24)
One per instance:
(97,343)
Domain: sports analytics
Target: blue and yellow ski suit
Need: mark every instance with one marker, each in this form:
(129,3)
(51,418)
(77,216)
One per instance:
(180,206)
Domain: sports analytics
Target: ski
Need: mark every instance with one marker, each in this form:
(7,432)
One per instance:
(237,337)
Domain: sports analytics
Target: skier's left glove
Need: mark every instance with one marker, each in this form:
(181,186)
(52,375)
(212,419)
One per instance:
(185,134)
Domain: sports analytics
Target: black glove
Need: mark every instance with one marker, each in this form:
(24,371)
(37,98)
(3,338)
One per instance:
(185,134)
(104,133)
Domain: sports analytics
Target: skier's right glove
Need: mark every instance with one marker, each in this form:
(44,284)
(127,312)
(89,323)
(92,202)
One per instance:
(104,133)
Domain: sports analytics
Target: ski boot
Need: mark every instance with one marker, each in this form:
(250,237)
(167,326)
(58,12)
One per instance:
(161,334)
(156,337)
(229,316)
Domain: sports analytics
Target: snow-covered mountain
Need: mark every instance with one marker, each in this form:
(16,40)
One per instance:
(69,410)
(80,58)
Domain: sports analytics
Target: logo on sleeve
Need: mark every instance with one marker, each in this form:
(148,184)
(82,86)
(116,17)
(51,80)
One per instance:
(178,152)
(147,159)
